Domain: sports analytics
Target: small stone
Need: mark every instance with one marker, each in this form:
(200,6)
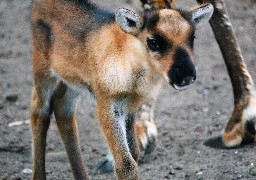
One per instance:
(15,123)
(12,98)
(215,87)
(199,173)
(166,177)
(206,91)
(48,172)
(27,171)
(218,112)
(171,173)
(178,167)
(205,109)
(240,176)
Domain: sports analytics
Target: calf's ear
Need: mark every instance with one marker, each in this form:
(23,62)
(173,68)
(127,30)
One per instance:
(128,21)
(202,14)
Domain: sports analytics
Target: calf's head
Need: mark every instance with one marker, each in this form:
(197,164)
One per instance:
(168,36)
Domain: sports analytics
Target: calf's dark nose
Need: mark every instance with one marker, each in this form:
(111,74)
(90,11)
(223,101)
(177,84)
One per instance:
(183,71)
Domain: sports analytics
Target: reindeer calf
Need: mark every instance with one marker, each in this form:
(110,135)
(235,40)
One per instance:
(121,58)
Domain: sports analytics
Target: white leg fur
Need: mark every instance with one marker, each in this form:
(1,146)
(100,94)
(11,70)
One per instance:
(146,116)
(249,114)
(120,110)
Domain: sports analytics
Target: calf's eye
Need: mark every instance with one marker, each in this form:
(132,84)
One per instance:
(153,44)
(158,44)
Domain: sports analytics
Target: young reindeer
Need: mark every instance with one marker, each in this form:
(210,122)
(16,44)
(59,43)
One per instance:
(121,58)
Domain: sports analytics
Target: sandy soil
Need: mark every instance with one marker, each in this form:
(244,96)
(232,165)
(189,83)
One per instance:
(188,121)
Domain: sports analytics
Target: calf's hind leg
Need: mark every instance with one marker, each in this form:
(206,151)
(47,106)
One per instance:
(64,106)
(41,110)
(145,128)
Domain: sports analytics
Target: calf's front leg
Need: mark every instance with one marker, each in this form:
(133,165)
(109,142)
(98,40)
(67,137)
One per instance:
(141,136)
(115,119)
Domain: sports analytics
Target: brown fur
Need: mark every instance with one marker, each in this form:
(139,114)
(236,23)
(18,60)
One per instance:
(72,51)
(157,4)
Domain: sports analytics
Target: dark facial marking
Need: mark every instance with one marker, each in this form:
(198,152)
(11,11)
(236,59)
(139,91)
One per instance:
(158,44)
(151,18)
(181,57)
(182,67)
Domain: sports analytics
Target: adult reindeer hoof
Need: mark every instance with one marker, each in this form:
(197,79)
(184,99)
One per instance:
(106,165)
(241,126)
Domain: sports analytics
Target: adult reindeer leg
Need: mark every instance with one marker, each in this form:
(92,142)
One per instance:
(241,126)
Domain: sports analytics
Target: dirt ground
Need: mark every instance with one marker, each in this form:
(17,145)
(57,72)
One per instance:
(188,121)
